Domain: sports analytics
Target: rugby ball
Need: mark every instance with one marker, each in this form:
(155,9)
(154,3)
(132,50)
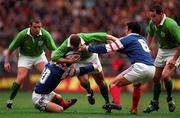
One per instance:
(72,54)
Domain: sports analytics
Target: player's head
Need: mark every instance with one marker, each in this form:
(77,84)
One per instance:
(156,13)
(75,42)
(35,26)
(132,27)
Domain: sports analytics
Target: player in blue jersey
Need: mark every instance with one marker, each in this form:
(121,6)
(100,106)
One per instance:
(44,98)
(135,47)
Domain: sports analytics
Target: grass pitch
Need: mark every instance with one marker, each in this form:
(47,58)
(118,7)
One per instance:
(23,107)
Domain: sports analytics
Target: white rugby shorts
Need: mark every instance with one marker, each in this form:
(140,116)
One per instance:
(28,62)
(139,73)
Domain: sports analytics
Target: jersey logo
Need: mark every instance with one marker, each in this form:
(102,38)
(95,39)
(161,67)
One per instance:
(40,43)
(162,34)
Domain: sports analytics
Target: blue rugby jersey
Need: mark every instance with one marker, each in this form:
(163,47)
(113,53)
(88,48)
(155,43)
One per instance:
(53,74)
(133,45)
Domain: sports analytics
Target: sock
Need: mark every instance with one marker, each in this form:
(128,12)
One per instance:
(14,90)
(136,96)
(86,86)
(156,91)
(104,92)
(63,103)
(115,92)
(168,86)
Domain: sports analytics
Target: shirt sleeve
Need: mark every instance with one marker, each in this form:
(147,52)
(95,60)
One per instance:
(49,41)
(60,51)
(93,37)
(105,48)
(16,41)
(174,30)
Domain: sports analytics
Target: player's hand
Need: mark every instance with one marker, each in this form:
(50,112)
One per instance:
(74,59)
(7,66)
(172,63)
(82,48)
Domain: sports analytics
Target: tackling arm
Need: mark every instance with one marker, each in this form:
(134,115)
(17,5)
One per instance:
(105,48)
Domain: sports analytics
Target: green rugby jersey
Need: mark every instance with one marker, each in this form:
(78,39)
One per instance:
(86,38)
(32,46)
(167,33)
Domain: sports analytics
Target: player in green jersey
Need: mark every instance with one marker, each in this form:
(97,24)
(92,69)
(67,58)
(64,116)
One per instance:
(167,32)
(31,43)
(72,43)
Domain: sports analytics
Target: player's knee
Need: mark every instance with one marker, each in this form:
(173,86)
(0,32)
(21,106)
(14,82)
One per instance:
(20,80)
(157,80)
(40,105)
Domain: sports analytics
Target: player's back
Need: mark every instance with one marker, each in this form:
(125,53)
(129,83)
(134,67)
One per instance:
(50,78)
(135,47)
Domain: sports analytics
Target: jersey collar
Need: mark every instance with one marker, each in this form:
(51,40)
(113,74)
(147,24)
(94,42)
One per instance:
(68,42)
(28,32)
(132,34)
(162,21)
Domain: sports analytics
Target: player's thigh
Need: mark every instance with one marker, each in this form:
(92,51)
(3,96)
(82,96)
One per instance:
(99,78)
(40,62)
(120,81)
(22,74)
(83,78)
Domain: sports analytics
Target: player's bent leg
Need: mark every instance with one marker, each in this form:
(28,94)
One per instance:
(40,66)
(70,102)
(84,81)
(52,107)
(22,74)
(63,103)
(135,98)
(119,81)
(99,78)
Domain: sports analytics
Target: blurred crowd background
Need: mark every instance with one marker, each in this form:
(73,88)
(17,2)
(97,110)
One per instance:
(64,17)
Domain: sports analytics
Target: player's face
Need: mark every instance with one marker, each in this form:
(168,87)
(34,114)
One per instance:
(35,28)
(126,30)
(75,48)
(156,18)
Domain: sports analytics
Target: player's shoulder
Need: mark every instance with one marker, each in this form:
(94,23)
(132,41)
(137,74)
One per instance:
(23,32)
(44,31)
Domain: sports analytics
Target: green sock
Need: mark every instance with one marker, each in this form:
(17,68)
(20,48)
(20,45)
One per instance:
(168,86)
(156,91)
(14,90)
(86,86)
(104,93)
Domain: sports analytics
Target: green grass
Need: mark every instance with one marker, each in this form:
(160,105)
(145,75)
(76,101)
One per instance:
(23,107)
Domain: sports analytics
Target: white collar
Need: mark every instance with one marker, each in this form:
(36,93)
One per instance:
(68,41)
(28,32)
(162,21)
(132,34)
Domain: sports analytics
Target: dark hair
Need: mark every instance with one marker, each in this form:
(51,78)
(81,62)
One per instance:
(34,20)
(134,27)
(157,8)
(75,40)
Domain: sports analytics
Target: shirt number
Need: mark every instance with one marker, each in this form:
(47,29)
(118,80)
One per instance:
(144,45)
(45,74)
